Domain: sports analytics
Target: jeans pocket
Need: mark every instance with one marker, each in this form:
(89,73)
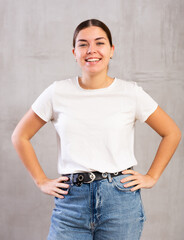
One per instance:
(119,185)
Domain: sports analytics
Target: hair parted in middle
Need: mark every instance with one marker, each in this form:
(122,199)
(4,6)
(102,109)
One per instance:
(89,23)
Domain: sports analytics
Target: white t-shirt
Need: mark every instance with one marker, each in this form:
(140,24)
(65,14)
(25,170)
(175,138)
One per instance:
(95,127)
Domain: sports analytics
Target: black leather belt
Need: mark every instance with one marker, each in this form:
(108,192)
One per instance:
(88,177)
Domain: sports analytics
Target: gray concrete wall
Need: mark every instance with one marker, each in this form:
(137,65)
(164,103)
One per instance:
(36,49)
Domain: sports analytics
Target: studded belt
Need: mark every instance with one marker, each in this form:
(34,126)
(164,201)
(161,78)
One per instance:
(88,177)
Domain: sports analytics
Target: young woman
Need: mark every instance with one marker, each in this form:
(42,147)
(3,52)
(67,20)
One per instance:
(98,194)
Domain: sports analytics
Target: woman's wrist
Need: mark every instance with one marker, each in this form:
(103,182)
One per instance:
(154,176)
(40,181)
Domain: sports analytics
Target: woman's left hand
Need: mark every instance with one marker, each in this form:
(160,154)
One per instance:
(137,180)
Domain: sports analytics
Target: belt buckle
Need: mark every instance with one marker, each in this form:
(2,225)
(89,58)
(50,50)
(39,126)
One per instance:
(92,176)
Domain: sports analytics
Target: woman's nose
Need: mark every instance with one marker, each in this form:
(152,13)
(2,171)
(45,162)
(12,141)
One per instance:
(91,49)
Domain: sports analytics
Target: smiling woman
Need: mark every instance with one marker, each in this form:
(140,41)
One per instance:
(94,116)
(93,51)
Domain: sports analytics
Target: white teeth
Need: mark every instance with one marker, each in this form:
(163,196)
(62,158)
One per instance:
(93,60)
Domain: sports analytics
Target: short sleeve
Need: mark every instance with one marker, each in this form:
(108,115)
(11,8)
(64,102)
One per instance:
(43,106)
(145,104)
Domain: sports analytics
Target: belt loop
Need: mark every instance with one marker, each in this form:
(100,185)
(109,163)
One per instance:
(109,177)
(72,179)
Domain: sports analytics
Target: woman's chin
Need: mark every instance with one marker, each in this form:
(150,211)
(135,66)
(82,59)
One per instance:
(93,70)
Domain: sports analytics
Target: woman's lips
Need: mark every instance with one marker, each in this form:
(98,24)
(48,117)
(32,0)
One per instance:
(93,59)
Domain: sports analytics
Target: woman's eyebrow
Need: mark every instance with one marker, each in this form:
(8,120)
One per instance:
(100,38)
(84,40)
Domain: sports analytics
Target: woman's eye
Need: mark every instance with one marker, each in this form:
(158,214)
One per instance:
(100,43)
(82,45)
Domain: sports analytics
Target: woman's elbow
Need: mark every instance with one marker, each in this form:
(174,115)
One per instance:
(178,134)
(14,138)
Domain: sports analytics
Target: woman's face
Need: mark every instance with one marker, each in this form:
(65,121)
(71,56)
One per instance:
(93,50)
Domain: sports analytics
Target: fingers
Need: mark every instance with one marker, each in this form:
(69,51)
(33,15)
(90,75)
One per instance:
(129,172)
(135,188)
(132,177)
(59,185)
(56,194)
(137,180)
(129,178)
(55,187)
(62,178)
(60,191)
(62,185)
(134,180)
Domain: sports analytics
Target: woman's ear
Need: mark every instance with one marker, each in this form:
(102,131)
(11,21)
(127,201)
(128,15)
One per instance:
(112,50)
(73,51)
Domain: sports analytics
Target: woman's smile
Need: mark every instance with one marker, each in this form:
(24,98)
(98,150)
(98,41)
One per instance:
(93,61)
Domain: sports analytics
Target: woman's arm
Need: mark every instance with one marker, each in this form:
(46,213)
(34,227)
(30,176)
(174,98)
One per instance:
(171,135)
(28,126)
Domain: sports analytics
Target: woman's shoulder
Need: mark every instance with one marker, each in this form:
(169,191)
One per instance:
(63,81)
(128,84)
(62,84)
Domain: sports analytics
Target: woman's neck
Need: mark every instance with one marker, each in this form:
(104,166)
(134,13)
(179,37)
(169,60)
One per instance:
(95,81)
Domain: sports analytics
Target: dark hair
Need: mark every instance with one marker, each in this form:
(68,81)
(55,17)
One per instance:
(89,23)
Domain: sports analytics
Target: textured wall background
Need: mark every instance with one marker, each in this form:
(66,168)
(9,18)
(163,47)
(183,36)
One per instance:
(36,49)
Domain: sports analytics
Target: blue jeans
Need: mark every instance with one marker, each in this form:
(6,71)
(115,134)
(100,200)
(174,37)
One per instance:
(100,210)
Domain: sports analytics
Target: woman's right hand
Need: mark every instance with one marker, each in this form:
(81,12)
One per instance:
(52,186)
